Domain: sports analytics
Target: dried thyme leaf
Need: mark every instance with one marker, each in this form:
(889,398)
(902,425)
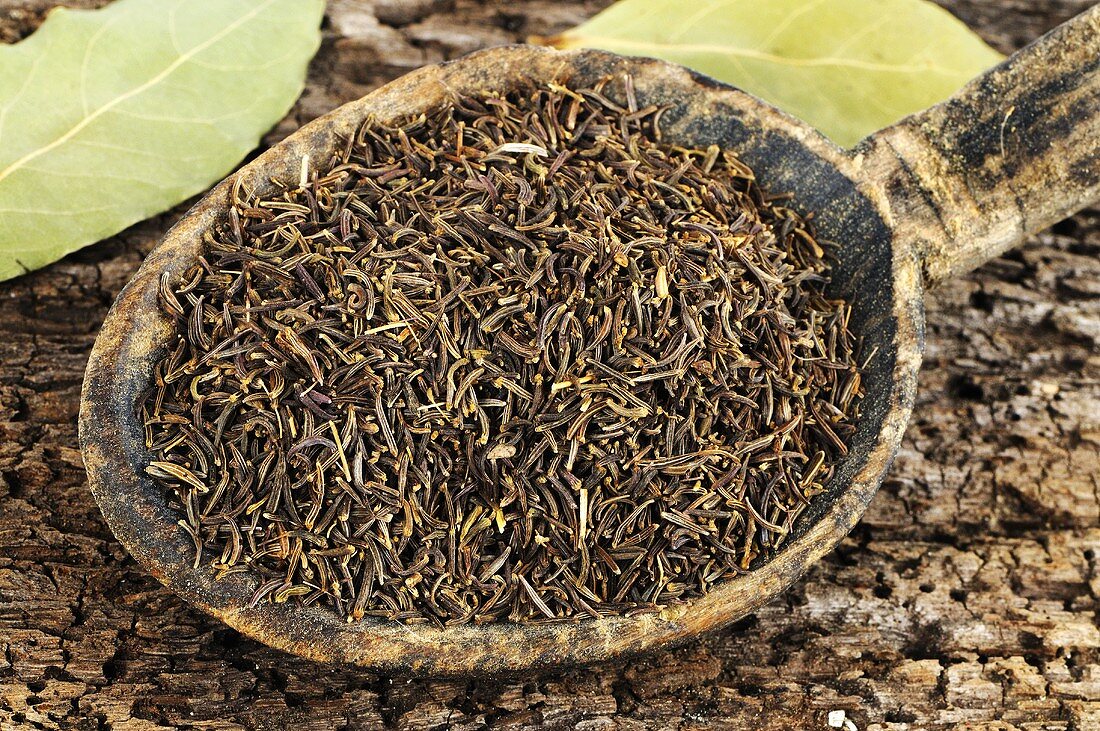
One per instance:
(516,360)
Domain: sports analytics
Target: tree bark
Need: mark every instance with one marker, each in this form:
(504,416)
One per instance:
(968,594)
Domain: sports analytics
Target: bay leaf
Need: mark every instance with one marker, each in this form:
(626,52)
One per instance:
(110,116)
(848,67)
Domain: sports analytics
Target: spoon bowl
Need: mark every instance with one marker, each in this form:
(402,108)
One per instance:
(910,206)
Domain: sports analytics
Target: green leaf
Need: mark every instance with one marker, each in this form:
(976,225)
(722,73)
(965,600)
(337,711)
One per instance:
(109,116)
(848,67)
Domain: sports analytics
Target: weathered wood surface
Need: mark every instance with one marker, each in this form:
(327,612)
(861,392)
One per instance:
(968,595)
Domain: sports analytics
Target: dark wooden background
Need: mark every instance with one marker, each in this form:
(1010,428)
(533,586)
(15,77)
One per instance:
(967,597)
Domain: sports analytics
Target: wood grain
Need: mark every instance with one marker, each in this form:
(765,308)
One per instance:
(969,593)
(1014,152)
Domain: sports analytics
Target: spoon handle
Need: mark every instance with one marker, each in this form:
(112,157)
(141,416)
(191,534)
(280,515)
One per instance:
(1016,150)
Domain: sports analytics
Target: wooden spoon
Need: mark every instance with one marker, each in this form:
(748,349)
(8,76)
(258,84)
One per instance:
(915,204)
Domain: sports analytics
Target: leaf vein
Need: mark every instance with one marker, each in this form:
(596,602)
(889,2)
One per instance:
(664,49)
(183,59)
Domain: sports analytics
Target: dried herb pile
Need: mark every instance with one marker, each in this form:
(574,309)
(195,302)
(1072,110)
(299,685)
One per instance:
(518,360)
